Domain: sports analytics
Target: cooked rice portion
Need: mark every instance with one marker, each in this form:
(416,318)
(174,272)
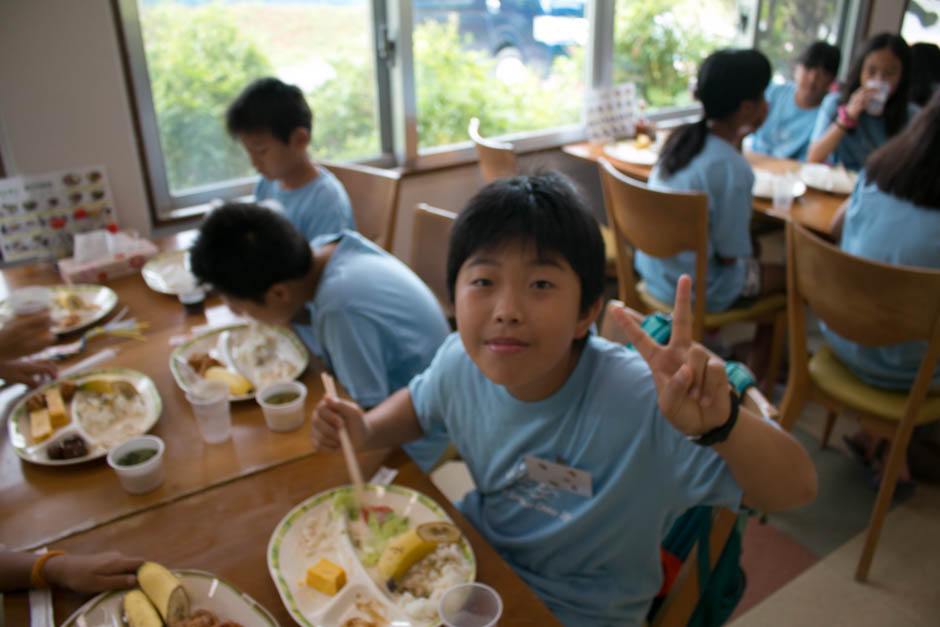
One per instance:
(110,419)
(419,592)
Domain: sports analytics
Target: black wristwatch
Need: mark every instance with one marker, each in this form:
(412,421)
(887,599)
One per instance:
(720,434)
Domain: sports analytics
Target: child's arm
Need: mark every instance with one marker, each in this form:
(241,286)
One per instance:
(772,468)
(391,423)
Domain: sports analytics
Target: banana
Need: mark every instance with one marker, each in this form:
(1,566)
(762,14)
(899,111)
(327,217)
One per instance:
(405,550)
(237,384)
(139,611)
(165,591)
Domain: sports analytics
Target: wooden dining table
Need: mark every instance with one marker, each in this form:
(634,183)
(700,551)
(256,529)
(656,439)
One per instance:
(220,503)
(814,209)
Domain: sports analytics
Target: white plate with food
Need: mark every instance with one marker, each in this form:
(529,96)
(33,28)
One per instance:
(641,150)
(83,416)
(168,273)
(74,306)
(206,592)
(388,563)
(820,176)
(245,356)
(764,184)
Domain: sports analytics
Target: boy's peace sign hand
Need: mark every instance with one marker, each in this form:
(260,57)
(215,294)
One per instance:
(691,385)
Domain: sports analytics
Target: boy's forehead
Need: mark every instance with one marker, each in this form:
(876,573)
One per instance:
(523,248)
(256,138)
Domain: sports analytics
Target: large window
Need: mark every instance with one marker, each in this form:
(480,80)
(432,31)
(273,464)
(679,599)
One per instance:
(786,27)
(922,22)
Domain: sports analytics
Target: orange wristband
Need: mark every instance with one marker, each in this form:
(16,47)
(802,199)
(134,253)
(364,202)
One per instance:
(36,579)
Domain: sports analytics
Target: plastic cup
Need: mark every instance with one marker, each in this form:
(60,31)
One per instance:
(470,605)
(29,300)
(876,104)
(210,402)
(782,192)
(143,476)
(284,413)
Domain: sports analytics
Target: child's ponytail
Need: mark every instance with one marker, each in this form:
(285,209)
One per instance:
(683,144)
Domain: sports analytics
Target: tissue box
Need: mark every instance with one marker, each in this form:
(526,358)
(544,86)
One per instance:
(107,268)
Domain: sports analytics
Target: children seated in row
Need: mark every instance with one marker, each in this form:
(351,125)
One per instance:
(893,216)
(706,157)
(851,124)
(360,310)
(273,122)
(531,398)
(793,106)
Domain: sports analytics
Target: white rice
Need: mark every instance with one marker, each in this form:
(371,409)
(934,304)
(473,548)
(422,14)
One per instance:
(110,419)
(420,590)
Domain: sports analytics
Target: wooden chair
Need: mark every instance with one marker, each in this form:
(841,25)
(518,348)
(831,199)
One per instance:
(373,193)
(497,159)
(870,303)
(663,224)
(679,604)
(429,240)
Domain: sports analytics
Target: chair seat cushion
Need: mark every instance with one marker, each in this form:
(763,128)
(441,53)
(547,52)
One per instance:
(836,380)
(757,309)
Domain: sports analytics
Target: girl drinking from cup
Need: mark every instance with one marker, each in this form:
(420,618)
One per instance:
(871,107)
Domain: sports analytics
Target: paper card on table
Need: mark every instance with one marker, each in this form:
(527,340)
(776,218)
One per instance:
(559,475)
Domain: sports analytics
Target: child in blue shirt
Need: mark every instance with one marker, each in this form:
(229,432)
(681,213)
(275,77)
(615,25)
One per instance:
(274,123)
(845,132)
(523,383)
(786,131)
(360,310)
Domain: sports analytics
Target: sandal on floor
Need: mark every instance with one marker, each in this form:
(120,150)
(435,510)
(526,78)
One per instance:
(858,451)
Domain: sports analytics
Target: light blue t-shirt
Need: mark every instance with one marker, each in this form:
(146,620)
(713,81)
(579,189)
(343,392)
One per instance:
(375,324)
(882,227)
(786,131)
(593,560)
(854,148)
(725,175)
(316,208)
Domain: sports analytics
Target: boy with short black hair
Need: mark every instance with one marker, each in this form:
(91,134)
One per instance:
(274,123)
(579,448)
(358,308)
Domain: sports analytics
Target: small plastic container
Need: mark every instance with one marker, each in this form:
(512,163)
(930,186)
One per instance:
(210,402)
(470,605)
(193,300)
(283,404)
(142,476)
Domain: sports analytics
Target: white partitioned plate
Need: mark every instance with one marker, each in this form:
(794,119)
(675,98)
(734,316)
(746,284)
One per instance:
(764,185)
(628,152)
(820,176)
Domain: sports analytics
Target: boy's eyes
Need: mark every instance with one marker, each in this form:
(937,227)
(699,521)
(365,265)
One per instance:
(481,282)
(542,284)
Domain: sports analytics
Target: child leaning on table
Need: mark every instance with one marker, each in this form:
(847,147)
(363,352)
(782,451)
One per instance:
(273,122)
(523,384)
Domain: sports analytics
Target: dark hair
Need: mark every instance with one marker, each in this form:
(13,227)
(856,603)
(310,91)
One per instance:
(895,114)
(243,249)
(925,72)
(822,55)
(906,166)
(725,79)
(269,105)
(544,209)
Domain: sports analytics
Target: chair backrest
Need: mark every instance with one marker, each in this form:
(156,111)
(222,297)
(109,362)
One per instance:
(373,193)
(864,301)
(661,224)
(429,240)
(497,159)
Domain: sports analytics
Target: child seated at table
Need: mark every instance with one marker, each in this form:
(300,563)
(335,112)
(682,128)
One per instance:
(850,123)
(356,307)
(274,123)
(893,216)
(582,452)
(792,106)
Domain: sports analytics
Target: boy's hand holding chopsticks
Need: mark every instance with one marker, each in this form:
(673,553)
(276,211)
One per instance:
(331,414)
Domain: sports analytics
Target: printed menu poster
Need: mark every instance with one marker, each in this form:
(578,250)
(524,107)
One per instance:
(610,112)
(40,214)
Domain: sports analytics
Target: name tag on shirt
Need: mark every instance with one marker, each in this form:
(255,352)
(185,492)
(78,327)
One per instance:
(559,476)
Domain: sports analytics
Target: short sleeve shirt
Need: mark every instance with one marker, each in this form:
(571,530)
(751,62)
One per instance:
(725,176)
(317,208)
(786,131)
(593,560)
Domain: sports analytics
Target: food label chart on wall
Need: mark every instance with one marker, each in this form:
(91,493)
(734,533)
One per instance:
(40,214)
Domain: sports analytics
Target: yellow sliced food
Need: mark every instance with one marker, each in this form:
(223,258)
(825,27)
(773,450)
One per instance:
(40,427)
(237,384)
(642,141)
(165,591)
(139,611)
(56,407)
(403,551)
(101,386)
(327,577)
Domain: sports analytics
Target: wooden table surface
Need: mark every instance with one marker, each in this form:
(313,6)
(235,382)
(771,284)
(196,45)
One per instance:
(220,502)
(813,209)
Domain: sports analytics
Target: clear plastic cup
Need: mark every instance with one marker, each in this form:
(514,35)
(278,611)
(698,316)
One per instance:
(876,104)
(283,404)
(210,402)
(782,192)
(29,300)
(470,605)
(136,476)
